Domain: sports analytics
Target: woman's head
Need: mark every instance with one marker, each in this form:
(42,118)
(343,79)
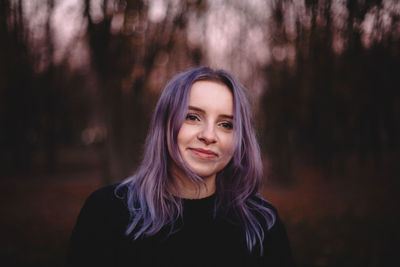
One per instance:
(205,139)
(202,102)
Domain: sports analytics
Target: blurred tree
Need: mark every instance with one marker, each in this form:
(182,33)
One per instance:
(28,101)
(332,90)
(129,52)
(37,94)
(15,78)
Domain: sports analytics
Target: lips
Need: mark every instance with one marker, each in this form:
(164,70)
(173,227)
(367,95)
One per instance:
(203,153)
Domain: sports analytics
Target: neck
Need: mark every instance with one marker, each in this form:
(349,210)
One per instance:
(183,187)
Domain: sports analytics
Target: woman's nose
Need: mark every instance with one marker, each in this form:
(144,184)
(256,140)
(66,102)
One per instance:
(207,134)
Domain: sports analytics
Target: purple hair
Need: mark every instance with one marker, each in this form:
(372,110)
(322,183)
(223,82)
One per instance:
(150,202)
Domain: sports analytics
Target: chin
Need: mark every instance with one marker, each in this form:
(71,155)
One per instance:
(203,173)
(205,170)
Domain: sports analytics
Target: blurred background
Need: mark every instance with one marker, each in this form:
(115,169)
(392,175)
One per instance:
(79,80)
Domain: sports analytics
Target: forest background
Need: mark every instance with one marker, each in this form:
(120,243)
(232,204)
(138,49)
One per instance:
(79,81)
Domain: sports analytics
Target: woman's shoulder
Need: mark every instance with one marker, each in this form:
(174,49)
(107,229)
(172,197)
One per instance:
(101,222)
(277,224)
(260,200)
(105,199)
(103,194)
(276,243)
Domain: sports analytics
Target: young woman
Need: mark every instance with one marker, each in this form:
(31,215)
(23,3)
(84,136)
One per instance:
(193,200)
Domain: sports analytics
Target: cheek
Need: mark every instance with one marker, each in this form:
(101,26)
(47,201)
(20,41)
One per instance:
(184,135)
(227,148)
(227,144)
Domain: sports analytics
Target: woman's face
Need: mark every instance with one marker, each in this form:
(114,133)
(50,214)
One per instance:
(205,139)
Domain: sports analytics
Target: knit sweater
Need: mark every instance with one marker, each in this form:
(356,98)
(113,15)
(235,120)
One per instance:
(99,239)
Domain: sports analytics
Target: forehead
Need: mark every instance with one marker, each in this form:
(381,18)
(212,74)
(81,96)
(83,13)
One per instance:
(212,96)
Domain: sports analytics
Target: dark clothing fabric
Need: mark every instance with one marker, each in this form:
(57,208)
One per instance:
(99,239)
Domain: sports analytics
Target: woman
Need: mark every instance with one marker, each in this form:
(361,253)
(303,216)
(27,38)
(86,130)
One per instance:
(193,200)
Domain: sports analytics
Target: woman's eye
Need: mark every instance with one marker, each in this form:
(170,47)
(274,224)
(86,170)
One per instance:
(191,117)
(227,125)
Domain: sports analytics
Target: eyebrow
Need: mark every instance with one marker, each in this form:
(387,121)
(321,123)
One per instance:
(202,111)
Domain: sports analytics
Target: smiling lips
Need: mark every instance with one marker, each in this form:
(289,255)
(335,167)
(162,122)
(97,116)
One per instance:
(203,153)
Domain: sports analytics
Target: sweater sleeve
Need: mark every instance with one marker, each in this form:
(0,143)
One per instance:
(92,241)
(277,251)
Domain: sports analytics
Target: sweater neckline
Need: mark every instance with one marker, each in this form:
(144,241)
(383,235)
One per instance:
(203,199)
(198,204)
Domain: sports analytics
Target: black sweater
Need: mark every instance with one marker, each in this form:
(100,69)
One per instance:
(99,239)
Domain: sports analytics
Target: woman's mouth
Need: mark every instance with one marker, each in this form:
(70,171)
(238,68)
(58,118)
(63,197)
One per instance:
(204,153)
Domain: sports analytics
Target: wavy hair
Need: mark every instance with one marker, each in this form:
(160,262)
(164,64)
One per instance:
(150,201)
